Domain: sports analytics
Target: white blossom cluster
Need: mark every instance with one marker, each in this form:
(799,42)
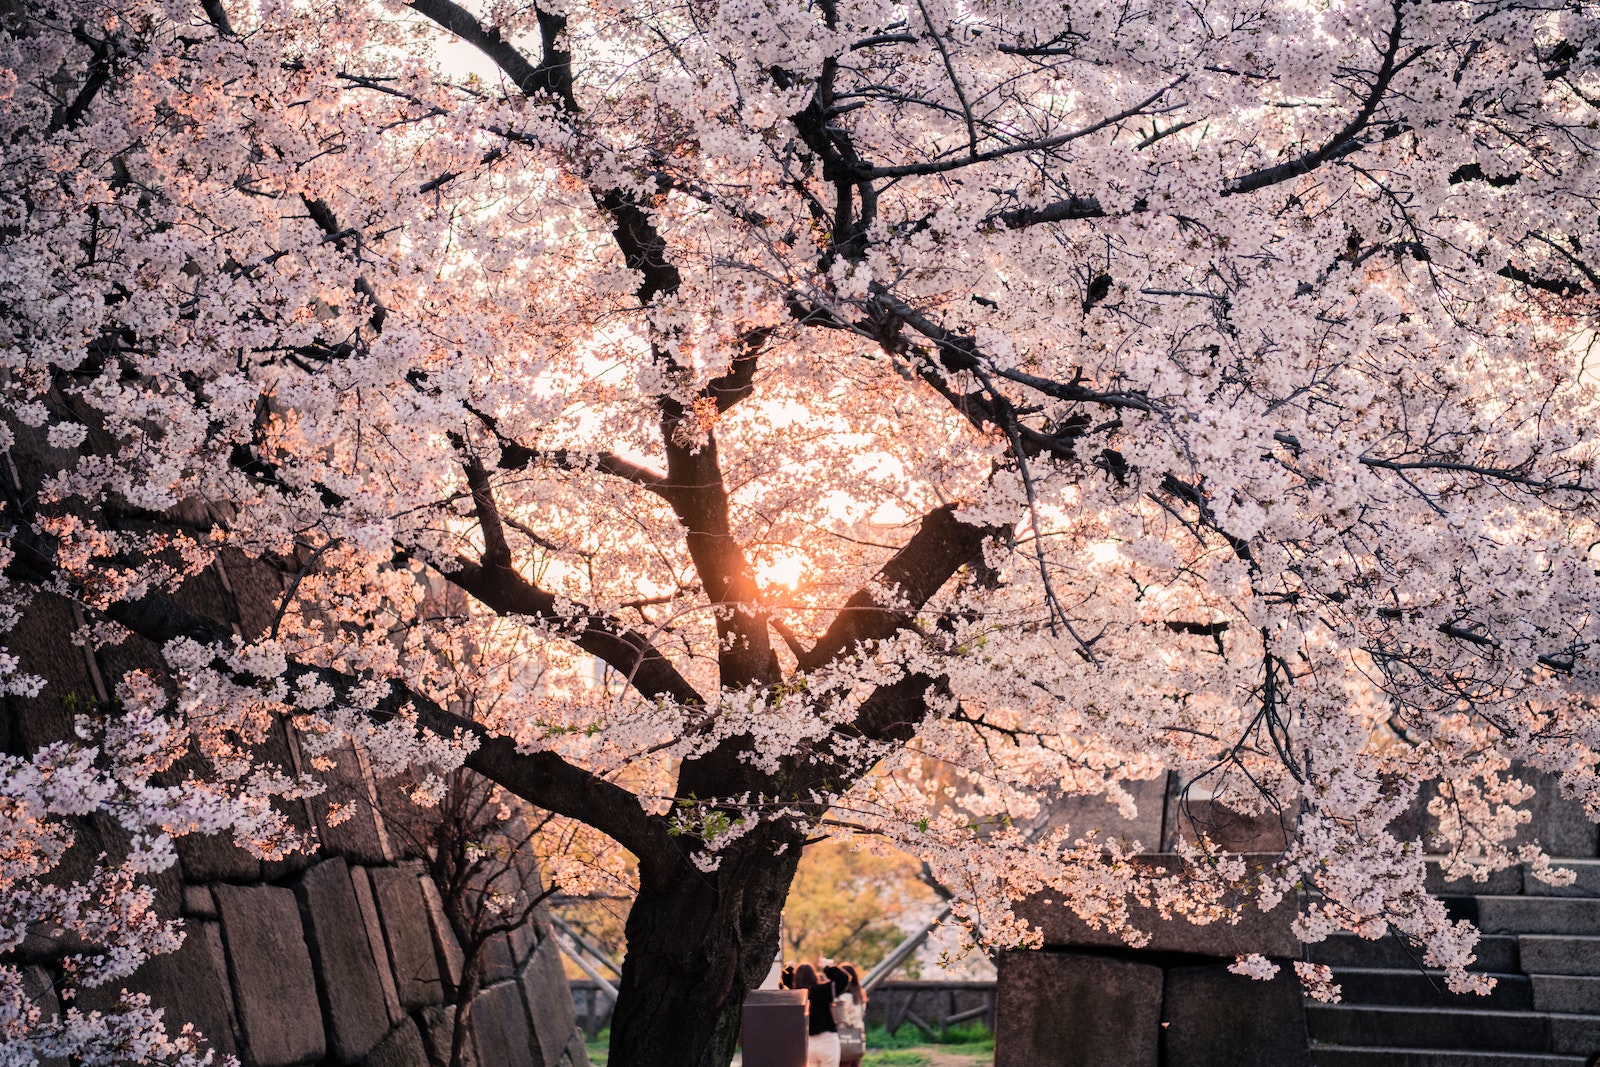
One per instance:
(921,411)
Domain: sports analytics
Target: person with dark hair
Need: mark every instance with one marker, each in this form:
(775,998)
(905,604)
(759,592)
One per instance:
(849,1014)
(822,1046)
(786,979)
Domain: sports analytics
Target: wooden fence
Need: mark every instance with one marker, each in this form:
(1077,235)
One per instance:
(931,1007)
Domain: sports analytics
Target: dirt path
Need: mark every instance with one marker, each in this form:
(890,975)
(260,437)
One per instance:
(950,1059)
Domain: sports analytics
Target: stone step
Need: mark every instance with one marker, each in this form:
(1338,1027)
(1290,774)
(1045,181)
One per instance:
(1516,881)
(1575,994)
(1587,883)
(1411,988)
(1495,953)
(1507,882)
(1330,1056)
(1366,1026)
(1546,954)
(1537,915)
(1576,1035)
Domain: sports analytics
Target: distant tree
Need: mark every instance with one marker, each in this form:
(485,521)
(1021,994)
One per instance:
(1057,392)
(855,905)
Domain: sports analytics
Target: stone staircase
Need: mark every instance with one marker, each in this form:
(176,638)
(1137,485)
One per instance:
(1541,942)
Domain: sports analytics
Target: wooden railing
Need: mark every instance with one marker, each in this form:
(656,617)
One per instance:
(932,1007)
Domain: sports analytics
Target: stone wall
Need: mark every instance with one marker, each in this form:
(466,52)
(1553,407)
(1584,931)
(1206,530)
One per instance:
(347,964)
(340,957)
(1087,998)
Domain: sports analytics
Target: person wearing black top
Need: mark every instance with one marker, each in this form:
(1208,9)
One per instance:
(822,1049)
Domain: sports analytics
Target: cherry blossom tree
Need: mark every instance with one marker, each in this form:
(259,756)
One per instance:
(1057,393)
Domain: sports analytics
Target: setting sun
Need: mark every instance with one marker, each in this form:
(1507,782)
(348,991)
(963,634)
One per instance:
(785,570)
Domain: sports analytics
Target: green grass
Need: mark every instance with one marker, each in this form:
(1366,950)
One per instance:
(904,1048)
(968,1039)
(899,1057)
(599,1047)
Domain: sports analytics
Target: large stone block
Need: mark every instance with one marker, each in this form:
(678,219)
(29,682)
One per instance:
(39,987)
(215,858)
(1252,930)
(198,903)
(357,838)
(1576,1035)
(410,940)
(500,1024)
(1585,882)
(1430,1028)
(438,1035)
(549,999)
(1572,994)
(256,589)
(451,958)
(1231,830)
(1097,815)
(522,941)
(1063,1009)
(352,998)
(1495,953)
(206,594)
(498,963)
(1559,825)
(401,1048)
(1539,915)
(577,1054)
(42,643)
(1506,881)
(191,984)
(1216,1019)
(362,884)
(273,984)
(95,834)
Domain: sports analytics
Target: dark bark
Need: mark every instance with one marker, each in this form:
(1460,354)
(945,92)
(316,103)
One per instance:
(697,942)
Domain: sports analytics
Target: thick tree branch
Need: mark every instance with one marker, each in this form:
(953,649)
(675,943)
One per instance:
(961,353)
(693,484)
(552,75)
(515,456)
(496,552)
(941,545)
(894,711)
(504,590)
(541,778)
(730,388)
(323,216)
(99,74)
(1344,142)
(699,498)
(1072,208)
(1041,144)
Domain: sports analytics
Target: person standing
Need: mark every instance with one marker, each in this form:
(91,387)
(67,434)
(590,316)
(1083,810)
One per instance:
(822,1044)
(850,1016)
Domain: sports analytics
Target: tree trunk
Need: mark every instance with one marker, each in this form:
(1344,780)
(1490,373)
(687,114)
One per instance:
(697,942)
